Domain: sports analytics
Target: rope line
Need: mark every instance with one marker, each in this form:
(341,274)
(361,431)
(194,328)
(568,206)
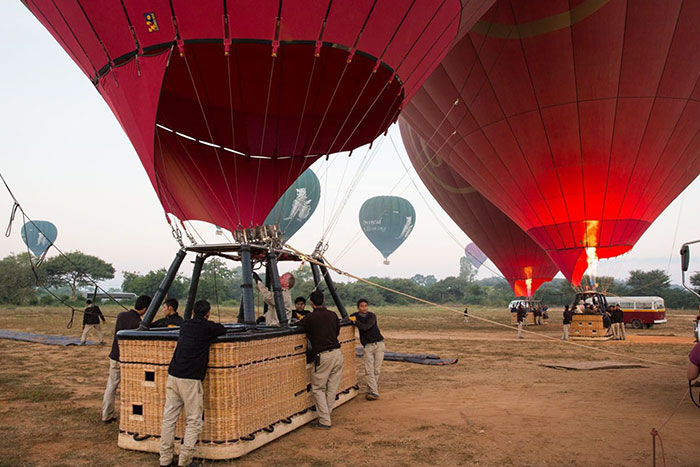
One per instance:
(25,216)
(480,318)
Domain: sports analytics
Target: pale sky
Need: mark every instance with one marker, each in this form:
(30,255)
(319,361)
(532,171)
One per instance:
(68,161)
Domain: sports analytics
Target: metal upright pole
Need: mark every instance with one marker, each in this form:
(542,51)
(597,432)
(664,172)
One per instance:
(276,289)
(194,284)
(318,281)
(267,285)
(247,286)
(162,291)
(334,292)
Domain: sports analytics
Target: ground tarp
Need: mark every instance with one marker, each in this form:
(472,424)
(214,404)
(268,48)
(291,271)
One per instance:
(422,359)
(42,338)
(587,366)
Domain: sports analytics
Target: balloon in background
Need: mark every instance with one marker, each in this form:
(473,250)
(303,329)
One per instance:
(522,262)
(39,236)
(387,221)
(297,204)
(475,255)
(227,103)
(581,123)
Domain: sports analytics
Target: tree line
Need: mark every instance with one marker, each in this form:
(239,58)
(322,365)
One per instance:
(219,283)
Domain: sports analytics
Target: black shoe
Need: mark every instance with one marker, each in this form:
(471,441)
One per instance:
(194,463)
(318,424)
(109,420)
(172,464)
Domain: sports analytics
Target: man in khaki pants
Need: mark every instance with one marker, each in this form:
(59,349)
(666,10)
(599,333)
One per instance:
(183,388)
(322,328)
(125,320)
(91,320)
(568,315)
(373,343)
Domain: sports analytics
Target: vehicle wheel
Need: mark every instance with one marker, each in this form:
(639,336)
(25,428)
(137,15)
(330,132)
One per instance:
(636,324)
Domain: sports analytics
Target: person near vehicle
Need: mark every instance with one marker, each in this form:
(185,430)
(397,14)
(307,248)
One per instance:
(287,281)
(125,320)
(567,315)
(300,308)
(91,320)
(183,389)
(694,363)
(373,343)
(322,328)
(621,322)
(170,316)
(537,313)
(521,316)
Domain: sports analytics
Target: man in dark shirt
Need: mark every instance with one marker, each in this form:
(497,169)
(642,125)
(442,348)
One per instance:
(186,372)
(91,320)
(125,320)
(300,308)
(568,315)
(620,322)
(522,315)
(322,328)
(373,342)
(170,316)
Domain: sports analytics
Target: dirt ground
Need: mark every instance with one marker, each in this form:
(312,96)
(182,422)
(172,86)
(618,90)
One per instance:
(495,407)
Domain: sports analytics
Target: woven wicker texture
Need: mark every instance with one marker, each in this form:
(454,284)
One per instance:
(250,385)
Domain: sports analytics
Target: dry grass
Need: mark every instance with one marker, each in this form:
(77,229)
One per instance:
(495,407)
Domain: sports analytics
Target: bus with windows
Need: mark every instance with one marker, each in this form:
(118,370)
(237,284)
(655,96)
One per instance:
(641,311)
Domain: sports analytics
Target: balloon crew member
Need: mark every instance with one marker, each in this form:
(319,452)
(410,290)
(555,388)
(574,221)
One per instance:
(522,314)
(322,328)
(183,388)
(568,315)
(621,322)
(465,313)
(170,317)
(287,281)
(300,308)
(91,320)
(125,320)
(373,343)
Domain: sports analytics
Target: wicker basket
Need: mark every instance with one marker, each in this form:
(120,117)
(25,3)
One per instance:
(251,387)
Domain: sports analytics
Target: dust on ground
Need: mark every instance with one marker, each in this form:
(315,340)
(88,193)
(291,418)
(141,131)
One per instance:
(495,407)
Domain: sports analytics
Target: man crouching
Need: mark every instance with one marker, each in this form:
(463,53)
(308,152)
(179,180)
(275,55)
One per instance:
(187,370)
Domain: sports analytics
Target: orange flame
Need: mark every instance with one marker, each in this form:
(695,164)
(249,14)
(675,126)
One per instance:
(528,281)
(590,240)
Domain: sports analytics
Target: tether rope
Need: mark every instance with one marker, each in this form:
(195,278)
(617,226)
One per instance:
(312,260)
(25,216)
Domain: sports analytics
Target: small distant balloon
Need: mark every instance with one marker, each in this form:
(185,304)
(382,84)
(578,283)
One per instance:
(39,236)
(297,204)
(387,221)
(475,255)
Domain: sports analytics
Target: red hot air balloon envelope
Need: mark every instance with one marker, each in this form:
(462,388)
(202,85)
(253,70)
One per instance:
(228,102)
(521,261)
(580,120)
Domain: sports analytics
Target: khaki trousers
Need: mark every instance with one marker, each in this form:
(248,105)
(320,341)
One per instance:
(623,334)
(373,357)
(616,331)
(565,332)
(520,329)
(325,380)
(181,392)
(113,380)
(87,328)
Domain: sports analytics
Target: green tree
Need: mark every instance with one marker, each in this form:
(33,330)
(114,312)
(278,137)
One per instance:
(77,270)
(654,282)
(695,281)
(17,281)
(467,271)
(219,283)
(148,283)
(424,281)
